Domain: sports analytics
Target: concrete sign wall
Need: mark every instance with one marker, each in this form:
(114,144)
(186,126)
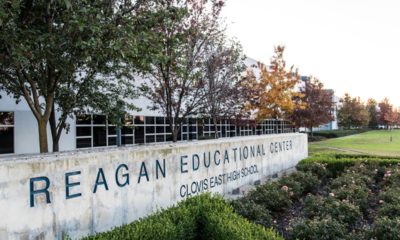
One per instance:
(84,192)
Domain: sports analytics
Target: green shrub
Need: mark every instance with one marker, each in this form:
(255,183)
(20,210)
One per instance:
(229,226)
(252,211)
(200,217)
(318,169)
(392,195)
(337,163)
(316,138)
(390,177)
(355,194)
(313,206)
(334,196)
(272,197)
(300,183)
(318,229)
(360,234)
(173,223)
(385,228)
(352,176)
(342,211)
(389,209)
(338,133)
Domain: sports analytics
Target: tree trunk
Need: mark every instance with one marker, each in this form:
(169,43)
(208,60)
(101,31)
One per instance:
(215,127)
(311,131)
(175,133)
(43,136)
(53,128)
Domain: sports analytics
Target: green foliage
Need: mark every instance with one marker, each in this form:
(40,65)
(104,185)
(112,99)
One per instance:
(392,195)
(318,169)
(300,183)
(337,163)
(318,105)
(389,209)
(174,223)
(352,113)
(69,56)
(390,177)
(385,228)
(253,211)
(338,133)
(318,229)
(336,196)
(342,211)
(372,107)
(357,195)
(200,217)
(272,197)
(313,206)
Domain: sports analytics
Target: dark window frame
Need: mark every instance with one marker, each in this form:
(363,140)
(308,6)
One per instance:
(10,125)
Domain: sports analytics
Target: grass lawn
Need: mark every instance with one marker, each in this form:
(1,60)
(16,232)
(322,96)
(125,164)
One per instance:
(372,142)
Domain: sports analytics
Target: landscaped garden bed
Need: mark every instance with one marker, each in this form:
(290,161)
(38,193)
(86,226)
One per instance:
(330,197)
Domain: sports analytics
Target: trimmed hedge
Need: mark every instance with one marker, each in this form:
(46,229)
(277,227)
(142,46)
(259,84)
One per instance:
(200,217)
(338,133)
(337,163)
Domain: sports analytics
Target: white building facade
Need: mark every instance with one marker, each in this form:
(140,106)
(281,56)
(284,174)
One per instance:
(19,130)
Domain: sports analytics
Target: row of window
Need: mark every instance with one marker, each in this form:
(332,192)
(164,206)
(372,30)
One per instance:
(96,131)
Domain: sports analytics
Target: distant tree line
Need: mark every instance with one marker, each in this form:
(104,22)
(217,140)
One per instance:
(354,113)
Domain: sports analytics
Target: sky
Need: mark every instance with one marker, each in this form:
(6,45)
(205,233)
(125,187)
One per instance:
(352,46)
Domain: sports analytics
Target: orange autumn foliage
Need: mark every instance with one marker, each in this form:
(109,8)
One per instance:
(271,94)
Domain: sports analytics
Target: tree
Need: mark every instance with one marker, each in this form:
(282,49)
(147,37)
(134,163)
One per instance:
(392,118)
(318,105)
(352,113)
(385,115)
(372,107)
(177,76)
(273,92)
(61,55)
(223,90)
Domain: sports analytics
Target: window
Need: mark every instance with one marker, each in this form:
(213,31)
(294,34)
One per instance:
(6,132)
(189,129)
(97,130)
(93,130)
(127,136)
(209,128)
(246,129)
(156,129)
(232,128)
(139,129)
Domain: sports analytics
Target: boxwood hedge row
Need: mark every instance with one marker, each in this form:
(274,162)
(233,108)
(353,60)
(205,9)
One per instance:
(336,163)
